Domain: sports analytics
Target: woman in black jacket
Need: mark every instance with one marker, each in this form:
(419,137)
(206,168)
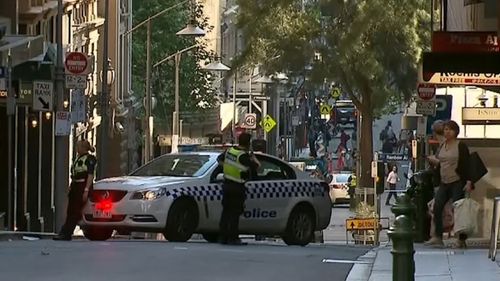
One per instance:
(452,161)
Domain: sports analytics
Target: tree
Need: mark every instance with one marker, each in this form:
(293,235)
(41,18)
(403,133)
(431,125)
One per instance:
(195,91)
(371,48)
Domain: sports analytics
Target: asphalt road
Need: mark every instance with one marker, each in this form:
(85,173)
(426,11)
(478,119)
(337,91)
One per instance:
(159,260)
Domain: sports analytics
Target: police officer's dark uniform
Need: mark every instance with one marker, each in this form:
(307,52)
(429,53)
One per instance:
(83,166)
(238,167)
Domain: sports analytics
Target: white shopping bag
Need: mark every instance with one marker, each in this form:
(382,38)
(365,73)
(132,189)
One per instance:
(465,216)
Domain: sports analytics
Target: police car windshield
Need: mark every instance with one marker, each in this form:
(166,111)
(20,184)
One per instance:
(176,165)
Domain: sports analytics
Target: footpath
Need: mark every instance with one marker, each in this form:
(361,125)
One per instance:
(430,265)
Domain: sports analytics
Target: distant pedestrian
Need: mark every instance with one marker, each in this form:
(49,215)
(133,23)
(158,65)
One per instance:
(388,138)
(392,180)
(82,179)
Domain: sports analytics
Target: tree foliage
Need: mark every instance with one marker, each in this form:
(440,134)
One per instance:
(371,48)
(195,91)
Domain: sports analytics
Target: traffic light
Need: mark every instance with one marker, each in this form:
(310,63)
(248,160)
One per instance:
(124,154)
(380,180)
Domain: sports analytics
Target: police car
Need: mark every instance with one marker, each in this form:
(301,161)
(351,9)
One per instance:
(181,194)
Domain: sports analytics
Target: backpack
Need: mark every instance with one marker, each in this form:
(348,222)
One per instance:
(383,134)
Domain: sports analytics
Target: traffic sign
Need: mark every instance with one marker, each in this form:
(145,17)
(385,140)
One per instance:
(76,81)
(336,93)
(63,124)
(250,121)
(268,123)
(78,112)
(76,63)
(425,107)
(361,224)
(426,92)
(325,109)
(42,95)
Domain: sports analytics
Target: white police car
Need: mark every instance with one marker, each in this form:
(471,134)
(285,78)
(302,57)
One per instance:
(180,194)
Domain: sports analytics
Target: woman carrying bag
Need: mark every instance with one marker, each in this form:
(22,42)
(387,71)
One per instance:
(453,161)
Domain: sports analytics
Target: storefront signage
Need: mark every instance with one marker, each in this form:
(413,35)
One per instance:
(465,42)
(480,116)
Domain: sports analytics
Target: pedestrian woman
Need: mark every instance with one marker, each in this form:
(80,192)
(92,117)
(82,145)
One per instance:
(392,180)
(452,159)
(82,178)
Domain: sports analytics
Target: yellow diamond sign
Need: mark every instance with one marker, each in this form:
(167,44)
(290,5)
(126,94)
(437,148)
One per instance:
(335,93)
(268,123)
(325,109)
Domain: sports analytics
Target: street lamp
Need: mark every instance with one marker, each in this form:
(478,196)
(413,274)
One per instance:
(215,66)
(190,30)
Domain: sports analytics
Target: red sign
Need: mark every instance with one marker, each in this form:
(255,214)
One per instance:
(464,42)
(426,91)
(76,63)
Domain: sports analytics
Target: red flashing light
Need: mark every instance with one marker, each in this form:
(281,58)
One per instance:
(104,205)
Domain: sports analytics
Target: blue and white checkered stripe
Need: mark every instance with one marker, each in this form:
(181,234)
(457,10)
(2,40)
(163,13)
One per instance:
(281,190)
(211,192)
(256,190)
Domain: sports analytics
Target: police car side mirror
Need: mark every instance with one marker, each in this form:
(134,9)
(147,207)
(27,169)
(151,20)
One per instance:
(219,177)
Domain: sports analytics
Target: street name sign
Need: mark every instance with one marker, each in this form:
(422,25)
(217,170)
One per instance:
(42,95)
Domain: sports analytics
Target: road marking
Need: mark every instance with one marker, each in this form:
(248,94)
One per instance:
(345,261)
(232,250)
(180,248)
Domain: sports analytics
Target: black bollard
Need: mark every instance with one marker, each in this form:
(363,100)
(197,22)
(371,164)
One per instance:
(401,234)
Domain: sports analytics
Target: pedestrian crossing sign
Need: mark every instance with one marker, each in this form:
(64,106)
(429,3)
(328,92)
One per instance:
(268,123)
(325,109)
(336,93)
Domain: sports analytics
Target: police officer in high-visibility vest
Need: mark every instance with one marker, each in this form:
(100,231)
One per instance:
(82,178)
(239,165)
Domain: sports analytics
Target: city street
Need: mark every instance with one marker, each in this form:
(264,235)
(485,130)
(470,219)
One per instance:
(154,260)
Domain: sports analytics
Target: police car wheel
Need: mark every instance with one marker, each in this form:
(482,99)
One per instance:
(182,220)
(97,233)
(211,237)
(300,228)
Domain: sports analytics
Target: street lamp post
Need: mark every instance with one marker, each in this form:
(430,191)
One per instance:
(190,30)
(215,66)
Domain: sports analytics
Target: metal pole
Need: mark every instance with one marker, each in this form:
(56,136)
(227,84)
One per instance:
(40,135)
(10,112)
(175,117)
(25,168)
(148,103)
(233,123)
(61,142)
(104,100)
(250,97)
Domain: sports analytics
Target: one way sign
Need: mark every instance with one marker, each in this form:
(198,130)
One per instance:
(42,95)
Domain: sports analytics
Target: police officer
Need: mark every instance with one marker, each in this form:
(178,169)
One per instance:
(352,183)
(239,165)
(82,178)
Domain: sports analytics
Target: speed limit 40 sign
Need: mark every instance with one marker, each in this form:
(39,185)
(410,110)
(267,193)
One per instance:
(250,121)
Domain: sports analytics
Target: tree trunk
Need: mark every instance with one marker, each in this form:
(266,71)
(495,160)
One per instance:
(366,146)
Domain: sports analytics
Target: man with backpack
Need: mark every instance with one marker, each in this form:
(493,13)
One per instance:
(388,138)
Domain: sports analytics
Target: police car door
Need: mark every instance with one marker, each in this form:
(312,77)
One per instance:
(267,196)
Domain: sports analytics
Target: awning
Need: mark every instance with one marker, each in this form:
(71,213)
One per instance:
(21,48)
